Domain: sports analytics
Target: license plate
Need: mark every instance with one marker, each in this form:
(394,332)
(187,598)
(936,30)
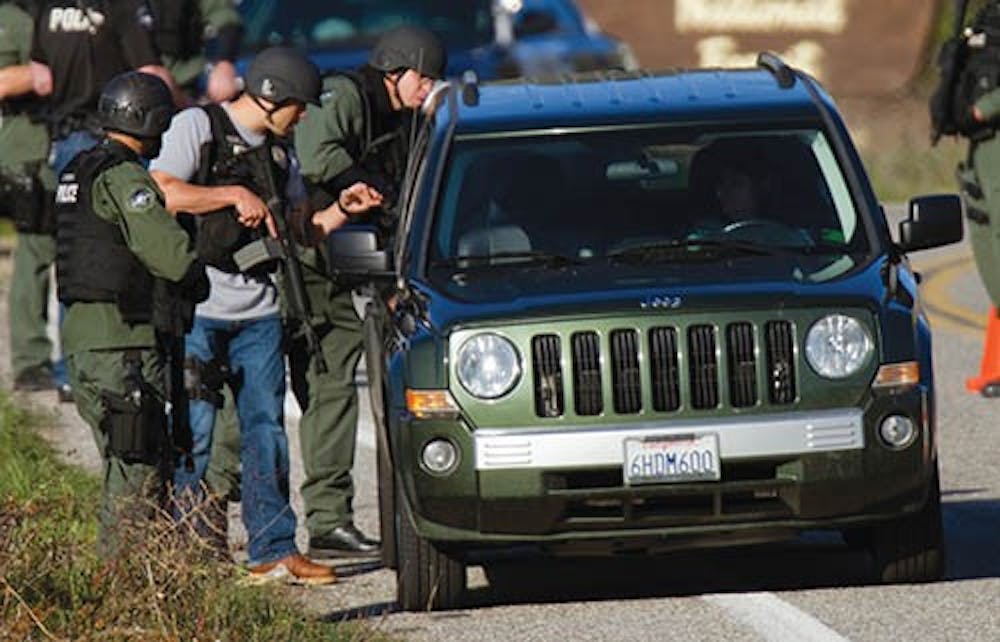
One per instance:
(664,460)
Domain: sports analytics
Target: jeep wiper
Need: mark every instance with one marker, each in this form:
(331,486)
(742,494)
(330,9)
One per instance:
(507,259)
(682,248)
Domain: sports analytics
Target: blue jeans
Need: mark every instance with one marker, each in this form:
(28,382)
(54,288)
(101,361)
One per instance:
(253,349)
(63,151)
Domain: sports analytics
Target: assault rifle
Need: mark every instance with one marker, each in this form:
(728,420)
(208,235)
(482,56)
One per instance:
(284,249)
(173,314)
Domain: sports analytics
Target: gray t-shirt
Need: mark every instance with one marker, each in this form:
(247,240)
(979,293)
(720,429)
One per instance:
(233,297)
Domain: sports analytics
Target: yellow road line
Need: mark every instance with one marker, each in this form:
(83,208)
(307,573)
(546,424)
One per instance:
(939,277)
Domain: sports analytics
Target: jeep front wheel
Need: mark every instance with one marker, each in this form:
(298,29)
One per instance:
(911,549)
(427,578)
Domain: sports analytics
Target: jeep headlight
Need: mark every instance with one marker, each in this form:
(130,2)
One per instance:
(837,346)
(488,366)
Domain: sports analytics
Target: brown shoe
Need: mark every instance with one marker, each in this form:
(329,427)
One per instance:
(293,569)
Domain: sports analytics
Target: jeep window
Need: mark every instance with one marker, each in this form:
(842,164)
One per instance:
(345,23)
(650,197)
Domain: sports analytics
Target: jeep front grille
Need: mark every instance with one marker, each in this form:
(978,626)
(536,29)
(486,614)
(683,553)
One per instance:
(588,393)
(546,351)
(754,364)
(780,362)
(625,371)
(742,365)
(664,370)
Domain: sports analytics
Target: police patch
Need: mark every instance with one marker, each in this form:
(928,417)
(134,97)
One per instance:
(142,199)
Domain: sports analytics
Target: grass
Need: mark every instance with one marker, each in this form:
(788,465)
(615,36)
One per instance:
(53,586)
(6,227)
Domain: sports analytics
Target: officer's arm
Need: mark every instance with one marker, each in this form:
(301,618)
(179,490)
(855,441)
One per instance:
(321,138)
(309,228)
(164,74)
(183,196)
(158,241)
(15,47)
(987,107)
(15,80)
(224,25)
(41,78)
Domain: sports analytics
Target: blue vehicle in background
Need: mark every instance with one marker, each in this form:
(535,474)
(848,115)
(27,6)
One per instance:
(494,38)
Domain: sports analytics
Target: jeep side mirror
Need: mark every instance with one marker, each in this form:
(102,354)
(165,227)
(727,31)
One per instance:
(354,252)
(933,221)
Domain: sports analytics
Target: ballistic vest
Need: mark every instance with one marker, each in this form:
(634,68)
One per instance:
(93,262)
(227,159)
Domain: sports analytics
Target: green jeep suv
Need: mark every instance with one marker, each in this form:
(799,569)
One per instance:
(625,313)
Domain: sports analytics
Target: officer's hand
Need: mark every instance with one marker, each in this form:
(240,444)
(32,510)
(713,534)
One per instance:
(358,199)
(251,211)
(223,81)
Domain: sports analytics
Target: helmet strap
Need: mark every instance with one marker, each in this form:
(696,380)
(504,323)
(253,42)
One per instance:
(268,111)
(394,81)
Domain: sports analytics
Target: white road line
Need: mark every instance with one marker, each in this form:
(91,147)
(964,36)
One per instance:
(773,618)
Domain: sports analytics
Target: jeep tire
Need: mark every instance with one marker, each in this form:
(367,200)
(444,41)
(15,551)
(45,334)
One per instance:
(911,548)
(427,578)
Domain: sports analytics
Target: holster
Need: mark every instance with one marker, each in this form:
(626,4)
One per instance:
(30,206)
(136,426)
(203,381)
(975,202)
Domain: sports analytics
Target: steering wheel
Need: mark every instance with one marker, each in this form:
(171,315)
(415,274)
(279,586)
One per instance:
(768,231)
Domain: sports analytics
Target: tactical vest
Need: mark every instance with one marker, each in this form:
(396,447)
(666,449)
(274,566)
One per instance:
(93,262)
(227,159)
(178,27)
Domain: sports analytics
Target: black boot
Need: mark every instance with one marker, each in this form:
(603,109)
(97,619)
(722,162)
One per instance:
(343,541)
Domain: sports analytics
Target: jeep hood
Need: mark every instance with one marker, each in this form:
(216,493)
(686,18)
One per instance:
(468,297)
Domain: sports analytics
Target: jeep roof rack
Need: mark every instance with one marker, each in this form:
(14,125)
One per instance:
(772,62)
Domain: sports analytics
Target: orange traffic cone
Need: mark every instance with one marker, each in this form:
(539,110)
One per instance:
(988,381)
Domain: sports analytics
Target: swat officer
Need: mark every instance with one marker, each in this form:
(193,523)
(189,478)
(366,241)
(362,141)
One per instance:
(26,187)
(981,186)
(78,46)
(360,132)
(182,29)
(115,241)
(217,163)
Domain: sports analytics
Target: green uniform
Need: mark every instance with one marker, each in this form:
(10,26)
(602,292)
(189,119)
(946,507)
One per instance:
(328,143)
(98,342)
(215,15)
(981,189)
(24,148)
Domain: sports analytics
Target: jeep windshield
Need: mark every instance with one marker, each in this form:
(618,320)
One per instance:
(650,199)
(354,23)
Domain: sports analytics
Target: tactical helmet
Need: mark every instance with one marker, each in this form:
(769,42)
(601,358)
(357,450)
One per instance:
(280,74)
(410,47)
(137,104)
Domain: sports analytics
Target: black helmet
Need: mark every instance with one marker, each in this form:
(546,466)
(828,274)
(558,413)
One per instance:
(137,104)
(410,47)
(280,74)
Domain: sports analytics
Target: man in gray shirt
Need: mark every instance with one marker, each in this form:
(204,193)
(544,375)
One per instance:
(201,170)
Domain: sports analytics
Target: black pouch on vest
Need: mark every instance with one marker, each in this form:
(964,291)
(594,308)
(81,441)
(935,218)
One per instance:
(136,432)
